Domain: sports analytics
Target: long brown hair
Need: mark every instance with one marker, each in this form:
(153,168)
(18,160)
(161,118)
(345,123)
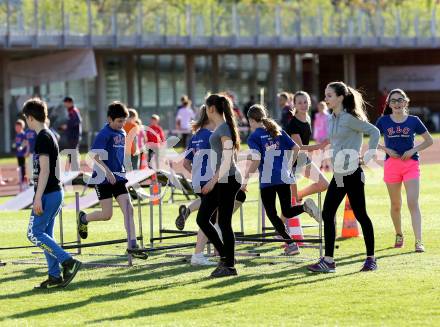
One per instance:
(353,101)
(223,105)
(387,110)
(259,114)
(201,121)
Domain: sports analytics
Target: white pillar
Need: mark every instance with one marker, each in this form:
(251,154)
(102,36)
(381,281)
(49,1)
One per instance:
(101,106)
(5,87)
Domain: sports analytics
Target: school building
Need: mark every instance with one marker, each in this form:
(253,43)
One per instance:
(149,61)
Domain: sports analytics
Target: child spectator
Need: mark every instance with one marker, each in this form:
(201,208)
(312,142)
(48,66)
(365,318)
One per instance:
(155,136)
(20,148)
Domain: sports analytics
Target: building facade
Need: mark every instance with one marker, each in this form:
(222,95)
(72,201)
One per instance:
(244,50)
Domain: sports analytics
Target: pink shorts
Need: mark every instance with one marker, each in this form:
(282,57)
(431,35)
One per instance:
(397,170)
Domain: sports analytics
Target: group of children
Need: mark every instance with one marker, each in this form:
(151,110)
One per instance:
(279,155)
(345,127)
(108,176)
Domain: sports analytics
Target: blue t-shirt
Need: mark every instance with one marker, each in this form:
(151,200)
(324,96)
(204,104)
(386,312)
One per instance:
(274,160)
(30,137)
(20,150)
(201,171)
(113,142)
(400,136)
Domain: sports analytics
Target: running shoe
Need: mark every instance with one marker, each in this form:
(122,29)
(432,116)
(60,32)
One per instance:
(223,271)
(83,230)
(322,266)
(291,249)
(2,264)
(70,268)
(370,264)
(312,209)
(399,241)
(138,253)
(419,246)
(51,282)
(201,260)
(183,215)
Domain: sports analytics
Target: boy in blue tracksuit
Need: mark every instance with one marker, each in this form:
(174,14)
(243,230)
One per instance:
(48,198)
(109,177)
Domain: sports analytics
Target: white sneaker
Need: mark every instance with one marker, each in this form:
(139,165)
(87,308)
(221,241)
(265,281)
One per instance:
(312,209)
(419,246)
(201,260)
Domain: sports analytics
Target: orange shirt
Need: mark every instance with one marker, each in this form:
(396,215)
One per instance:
(131,146)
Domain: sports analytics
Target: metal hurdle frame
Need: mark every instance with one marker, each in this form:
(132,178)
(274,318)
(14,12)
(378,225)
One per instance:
(259,238)
(314,239)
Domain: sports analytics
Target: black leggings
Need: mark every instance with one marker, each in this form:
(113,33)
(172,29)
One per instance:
(22,165)
(268,197)
(352,186)
(221,198)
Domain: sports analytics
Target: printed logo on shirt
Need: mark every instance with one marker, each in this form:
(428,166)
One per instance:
(118,141)
(398,132)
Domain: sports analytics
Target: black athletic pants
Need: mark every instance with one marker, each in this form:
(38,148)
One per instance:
(22,165)
(352,186)
(268,197)
(221,198)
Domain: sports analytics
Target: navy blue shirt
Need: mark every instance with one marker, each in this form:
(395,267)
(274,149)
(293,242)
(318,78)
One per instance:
(400,136)
(201,170)
(274,161)
(20,150)
(113,142)
(74,128)
(30,137)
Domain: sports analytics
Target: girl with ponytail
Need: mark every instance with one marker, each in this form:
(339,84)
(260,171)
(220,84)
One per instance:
(219,193)
(402,161)
(273,147)
(196,163)
(347,124)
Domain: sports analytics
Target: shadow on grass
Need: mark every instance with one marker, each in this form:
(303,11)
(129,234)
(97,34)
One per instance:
(286,277)
(24,274)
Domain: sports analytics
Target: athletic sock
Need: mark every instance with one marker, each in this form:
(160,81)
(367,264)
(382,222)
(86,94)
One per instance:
(84,219)
(133,244)
(329,259)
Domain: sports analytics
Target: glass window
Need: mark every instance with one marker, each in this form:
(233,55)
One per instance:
(148,81)
(115,80)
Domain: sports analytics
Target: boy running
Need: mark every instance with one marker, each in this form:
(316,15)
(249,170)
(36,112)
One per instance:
(109,177)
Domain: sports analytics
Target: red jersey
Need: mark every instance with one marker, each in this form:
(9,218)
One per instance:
(155,134)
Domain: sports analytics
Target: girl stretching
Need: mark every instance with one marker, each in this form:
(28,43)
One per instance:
(220,192)
(300,130)
(273,146)
(347,125)
(402,161)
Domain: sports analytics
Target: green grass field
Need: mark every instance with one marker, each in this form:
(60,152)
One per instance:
(165,291)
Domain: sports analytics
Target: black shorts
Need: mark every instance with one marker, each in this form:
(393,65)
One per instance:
(106,191)
(21,161)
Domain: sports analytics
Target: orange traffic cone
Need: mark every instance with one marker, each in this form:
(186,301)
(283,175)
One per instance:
(154,189)
(144,161)
(349,226)
(294,225)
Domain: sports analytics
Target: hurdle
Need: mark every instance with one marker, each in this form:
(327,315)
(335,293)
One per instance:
(258,239)
(78,245)
(24,199)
